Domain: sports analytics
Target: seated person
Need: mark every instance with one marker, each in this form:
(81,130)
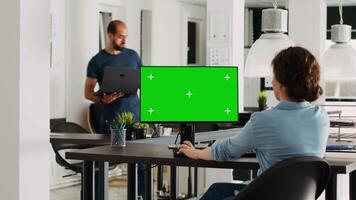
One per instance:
(293,128)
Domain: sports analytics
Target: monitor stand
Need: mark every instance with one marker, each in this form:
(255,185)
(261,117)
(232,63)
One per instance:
(186,132)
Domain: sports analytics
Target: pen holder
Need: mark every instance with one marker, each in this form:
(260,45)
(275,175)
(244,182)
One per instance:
(118,137)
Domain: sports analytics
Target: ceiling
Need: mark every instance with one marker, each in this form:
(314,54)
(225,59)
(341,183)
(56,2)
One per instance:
(268,3)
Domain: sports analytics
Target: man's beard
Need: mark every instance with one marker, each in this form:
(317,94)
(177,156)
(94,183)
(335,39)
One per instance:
(118,47)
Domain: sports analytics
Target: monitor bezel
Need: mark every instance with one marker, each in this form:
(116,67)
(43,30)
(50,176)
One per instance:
(195,122)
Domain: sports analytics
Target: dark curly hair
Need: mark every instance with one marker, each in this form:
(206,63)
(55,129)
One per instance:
(299,72)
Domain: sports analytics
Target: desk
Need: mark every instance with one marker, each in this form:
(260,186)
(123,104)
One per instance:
(148,154)
(79,138)
(343,165)
(100,140)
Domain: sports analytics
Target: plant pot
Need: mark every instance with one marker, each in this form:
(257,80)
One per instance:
(139,133)
(262,107)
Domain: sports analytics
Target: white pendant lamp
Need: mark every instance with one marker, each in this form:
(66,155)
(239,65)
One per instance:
(339,61)
(272,41)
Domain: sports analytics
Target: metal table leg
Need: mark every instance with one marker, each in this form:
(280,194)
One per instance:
(87,184)
(148,183)
(131,181)
(103,183)
(196,181)
(352,185)
(173,182)
(330,193)
(159,177)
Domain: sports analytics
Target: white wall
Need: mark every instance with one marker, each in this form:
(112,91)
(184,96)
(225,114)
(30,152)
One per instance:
(166,33)
(9,106)
(82,44)
(197,14)
(58,67)
(24,115)
(311,35)
(133,14)
(235,44)
(235,9)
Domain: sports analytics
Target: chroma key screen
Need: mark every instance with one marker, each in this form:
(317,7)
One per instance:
(189,94)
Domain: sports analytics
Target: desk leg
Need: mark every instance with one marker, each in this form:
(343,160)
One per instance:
(190,193)
(103,181)
(196,181)
(88,175)
(159,177)
(330,193)
(352,185)
(148,182)
(131,181)
(173,182)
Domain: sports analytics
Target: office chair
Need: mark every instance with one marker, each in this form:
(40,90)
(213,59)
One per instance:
(68,127)
(93,117)
(77,167)
(299,178)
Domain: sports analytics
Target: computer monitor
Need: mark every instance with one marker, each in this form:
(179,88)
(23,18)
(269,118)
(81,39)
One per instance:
(189,94)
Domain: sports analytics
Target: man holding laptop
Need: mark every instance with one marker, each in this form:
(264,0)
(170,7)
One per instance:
(115,55)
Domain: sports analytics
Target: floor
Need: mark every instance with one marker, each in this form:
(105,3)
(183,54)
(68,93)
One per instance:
(73,193)
(117,190)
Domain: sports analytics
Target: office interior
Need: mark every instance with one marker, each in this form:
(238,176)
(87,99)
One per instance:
(46,46)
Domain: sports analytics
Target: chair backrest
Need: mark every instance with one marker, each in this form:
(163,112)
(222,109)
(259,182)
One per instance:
(299,178)
(67,127)
(94,117)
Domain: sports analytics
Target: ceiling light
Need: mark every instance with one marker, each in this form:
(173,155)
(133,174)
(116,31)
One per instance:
(272,41)
(339,61)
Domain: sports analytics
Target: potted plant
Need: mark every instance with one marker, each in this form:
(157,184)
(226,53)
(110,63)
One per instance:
(127,118)
(140,130)
(262,100)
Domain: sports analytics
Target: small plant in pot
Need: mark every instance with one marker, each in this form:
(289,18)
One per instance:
(262,100)
(140,130)
(127,118)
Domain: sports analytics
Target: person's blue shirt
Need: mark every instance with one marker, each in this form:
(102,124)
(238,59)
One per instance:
(287,130)
(127,103)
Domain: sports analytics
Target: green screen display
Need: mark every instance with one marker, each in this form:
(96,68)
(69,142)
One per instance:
(189,94)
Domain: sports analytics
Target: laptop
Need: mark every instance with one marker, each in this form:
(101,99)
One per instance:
(119,79)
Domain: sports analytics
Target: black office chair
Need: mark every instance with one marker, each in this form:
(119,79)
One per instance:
(94,117)
(68,127)
(300,178)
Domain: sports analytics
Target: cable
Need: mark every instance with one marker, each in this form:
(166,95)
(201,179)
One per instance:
(175,142)
(341,12)
(275,3)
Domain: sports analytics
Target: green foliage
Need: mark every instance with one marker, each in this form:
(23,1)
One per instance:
(262,98)
(140,126)
(125,117)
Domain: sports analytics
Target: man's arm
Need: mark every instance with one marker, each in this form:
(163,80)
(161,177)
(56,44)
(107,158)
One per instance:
(89,90)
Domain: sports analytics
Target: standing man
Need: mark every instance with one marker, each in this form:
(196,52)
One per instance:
(117,55)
